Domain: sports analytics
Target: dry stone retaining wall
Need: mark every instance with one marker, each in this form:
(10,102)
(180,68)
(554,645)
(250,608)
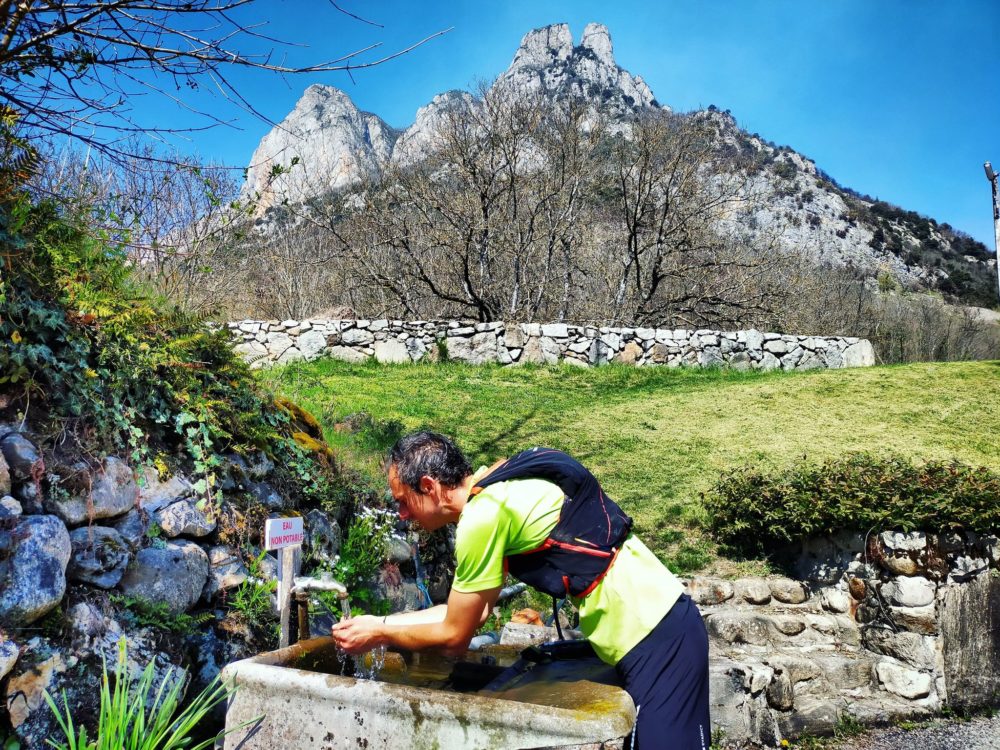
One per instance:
(265,342)
(891,626)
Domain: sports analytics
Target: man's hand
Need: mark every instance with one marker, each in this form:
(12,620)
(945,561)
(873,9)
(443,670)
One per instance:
(359,634)
(446,628)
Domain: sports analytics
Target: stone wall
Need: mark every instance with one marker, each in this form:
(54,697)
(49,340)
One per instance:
(74,533)
(266,342)
(894,626)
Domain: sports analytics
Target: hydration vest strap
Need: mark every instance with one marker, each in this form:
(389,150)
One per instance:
(600,578)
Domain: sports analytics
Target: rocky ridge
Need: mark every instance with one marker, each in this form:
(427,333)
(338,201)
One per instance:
(327,144)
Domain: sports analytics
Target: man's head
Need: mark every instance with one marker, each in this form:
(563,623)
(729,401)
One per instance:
(427,474)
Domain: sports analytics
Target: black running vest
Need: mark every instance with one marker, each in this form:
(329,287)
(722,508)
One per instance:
(590,531)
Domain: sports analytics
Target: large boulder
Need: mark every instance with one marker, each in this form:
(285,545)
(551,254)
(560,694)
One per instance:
(100,556)
(133,527)
(970,642)
(392,351)
(226,571)
(9,508)
(708,591)
(266,495)
(108,492)
(861,354)
(33,560)
(155,493)
(173,574)
(88,625)
(38,671)
(323,535)
(22,457)
(184,518)
(30,496)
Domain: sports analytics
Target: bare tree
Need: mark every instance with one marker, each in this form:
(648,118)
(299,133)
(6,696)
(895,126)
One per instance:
(902,326)
(69,68)
(673,189)
(176,218)
(486,225)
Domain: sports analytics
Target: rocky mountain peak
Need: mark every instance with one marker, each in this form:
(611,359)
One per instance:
(324,143)
(547,63)
(327,144)
(418,140)
(542,47)
(597,39)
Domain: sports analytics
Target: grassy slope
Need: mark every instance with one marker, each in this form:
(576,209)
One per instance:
(656,437)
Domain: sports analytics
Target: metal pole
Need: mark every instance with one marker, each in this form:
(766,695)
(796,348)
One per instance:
(992,177)
(996,230)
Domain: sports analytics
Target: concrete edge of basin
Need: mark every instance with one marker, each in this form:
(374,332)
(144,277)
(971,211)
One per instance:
(406,701)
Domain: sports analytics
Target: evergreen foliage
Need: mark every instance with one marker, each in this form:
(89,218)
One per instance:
(753,512)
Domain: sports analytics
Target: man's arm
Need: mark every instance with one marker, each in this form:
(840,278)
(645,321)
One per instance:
(447,628)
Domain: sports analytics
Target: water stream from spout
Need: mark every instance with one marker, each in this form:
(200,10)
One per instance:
(367,665)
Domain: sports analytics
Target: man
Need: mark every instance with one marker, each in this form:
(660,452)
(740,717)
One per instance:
(544,517)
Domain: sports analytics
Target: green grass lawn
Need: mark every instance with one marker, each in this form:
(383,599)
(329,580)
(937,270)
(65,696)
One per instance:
(658,437)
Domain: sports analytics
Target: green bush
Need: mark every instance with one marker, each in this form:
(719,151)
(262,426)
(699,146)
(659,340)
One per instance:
(753,513)
(252,599)
(363,552)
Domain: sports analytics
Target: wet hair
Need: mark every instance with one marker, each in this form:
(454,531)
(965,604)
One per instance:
(428,454)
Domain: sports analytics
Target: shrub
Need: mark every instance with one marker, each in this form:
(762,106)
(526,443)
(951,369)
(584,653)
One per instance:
(785,169)
(752,513)
(363,552)
(251,600)
(145,613)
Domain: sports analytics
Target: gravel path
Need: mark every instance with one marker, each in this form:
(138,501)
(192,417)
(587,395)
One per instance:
(975,734)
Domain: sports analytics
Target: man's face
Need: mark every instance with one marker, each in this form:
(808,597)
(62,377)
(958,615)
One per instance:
(422,507)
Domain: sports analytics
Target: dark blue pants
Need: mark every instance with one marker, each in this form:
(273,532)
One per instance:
(666,674)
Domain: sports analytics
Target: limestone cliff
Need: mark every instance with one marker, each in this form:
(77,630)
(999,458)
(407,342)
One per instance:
(327,144)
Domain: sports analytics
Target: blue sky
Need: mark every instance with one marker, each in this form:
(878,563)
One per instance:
(899,99)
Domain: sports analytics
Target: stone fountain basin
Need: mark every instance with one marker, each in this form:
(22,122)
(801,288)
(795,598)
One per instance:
(297,698)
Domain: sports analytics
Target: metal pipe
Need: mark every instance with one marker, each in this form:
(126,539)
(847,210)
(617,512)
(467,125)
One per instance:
(302,602)
(298,627)
(512,590)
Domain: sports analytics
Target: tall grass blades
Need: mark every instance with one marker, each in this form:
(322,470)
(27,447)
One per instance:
(136,715)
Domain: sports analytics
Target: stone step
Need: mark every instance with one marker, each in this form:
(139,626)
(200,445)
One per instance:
(758,627)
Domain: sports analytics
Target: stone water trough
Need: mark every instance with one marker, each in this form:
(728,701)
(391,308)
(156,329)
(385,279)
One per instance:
(296,697)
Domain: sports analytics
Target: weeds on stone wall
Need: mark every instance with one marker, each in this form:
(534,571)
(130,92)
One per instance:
(363,552)
(251,601)
(752,512)
(144,613)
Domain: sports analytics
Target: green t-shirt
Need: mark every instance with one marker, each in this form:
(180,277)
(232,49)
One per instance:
(507,518)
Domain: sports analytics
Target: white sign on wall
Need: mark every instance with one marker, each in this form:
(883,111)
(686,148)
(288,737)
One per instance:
(283,532)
